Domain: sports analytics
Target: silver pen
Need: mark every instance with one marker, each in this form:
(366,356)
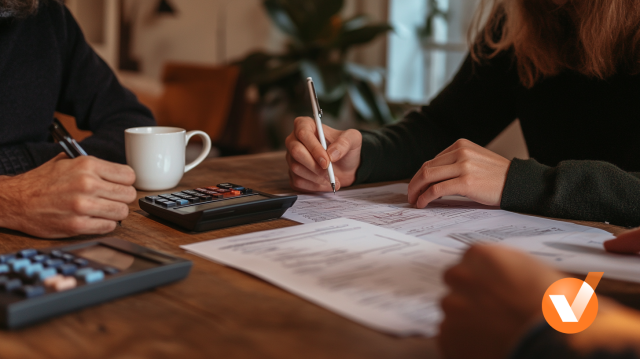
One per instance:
(317,114)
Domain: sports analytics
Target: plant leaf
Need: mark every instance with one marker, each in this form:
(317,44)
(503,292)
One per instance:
(355,22)
(280,16)
(368,102)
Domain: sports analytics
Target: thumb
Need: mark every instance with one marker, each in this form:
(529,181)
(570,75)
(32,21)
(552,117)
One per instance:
(627,242)
(347,140)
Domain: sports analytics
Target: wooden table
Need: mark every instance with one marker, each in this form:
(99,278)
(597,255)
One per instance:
(217,312)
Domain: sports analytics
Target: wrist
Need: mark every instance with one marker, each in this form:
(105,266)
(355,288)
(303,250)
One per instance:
(7,198)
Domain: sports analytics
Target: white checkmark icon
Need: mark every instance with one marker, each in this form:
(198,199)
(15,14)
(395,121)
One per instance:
(574,312)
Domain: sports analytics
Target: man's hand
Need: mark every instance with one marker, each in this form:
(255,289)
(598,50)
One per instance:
(308,161)
(495,296)
(625,243)
(64,198)
(464,169)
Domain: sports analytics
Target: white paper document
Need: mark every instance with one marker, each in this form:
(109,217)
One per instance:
(451,221)
(375,276)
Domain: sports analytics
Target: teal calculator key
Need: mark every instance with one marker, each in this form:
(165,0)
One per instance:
(46,273)
(67,269)
(32,269)
(17,264)
(40,258)
(28,253)
(91,276)
(4,268)
(83,271)
(53,263)
(4,258)
(182,202)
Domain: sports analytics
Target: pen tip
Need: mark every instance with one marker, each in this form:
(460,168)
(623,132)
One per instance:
(333,186)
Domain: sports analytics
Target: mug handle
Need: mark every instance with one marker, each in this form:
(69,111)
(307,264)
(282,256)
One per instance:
(205,150)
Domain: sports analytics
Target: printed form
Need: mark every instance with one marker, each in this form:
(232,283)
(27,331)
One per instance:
(452,221)
(375,276)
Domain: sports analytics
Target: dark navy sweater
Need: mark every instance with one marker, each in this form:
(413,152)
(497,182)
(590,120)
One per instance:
(45,66)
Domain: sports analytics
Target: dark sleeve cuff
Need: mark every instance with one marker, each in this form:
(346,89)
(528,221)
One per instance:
(15,160)
(368,156)
(525,186)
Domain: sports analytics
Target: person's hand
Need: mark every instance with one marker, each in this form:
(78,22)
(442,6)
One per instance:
(308,161)
(495,296)
(625,243)
(64,198)
(464,169)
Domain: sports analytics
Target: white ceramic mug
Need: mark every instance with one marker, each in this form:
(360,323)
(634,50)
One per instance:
(156,154)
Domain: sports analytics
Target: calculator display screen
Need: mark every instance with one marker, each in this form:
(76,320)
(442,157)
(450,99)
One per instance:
(113,258)
(220,204)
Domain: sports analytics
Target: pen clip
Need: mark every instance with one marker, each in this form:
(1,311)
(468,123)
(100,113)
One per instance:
(315,96)
(69,145)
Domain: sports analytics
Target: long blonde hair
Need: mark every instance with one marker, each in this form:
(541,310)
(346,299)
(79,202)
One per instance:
(597,38)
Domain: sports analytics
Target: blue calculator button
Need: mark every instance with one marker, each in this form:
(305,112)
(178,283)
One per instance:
(53,263)
(67,269)
(31,291)
(239,188)
(27,253)
(4,268)
(4,258)
(81,262)
(110,270)
(83,271)
(32,269)
(46,273)
(17,264)
(95,276)
(56,253)
(182,202)
(68,257)
(10,284)
(40,258)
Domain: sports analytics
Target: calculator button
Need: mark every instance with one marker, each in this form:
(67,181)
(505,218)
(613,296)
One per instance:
(110,270)
(80,262)
(201,190)
(40,258)
(46,273)
(68,269)
(236,193)
(27,253)
(165,195)
(248,191)
(65,283)
(173,198)
(51,281)
(168,204)
(151,198)
(190,192)
(91,275)
(204,197)
(192,199)
(68,257)
(10,284)
(56,253)
(225,185)
(4,268)
(31,291)
(53,263)
(4,258)
(239,188)
(223,191)
(17,264)
(31,270)
(182,202)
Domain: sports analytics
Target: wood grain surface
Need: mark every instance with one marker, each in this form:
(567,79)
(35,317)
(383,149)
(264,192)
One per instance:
(217,312)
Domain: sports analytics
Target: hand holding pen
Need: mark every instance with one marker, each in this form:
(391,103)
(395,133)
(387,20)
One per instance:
(309,161)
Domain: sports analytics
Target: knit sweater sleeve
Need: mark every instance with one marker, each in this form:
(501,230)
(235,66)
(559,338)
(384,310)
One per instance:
(583,190)
(92,94)
(477,104)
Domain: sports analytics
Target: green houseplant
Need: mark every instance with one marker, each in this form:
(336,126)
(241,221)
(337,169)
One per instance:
(319,40)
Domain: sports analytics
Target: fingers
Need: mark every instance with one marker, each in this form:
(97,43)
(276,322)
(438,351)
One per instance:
(301,171)
(87,225)
(461,143)
(303,185)
(91,185)
(108,171)
(346,141)
(100,208)
(625,243)
(427,176)
(306,132)
(299,153)
(456,186)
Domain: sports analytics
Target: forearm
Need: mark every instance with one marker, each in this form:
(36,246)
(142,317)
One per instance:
(581,190)
(9,205)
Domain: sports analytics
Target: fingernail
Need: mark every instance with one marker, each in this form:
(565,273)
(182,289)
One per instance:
(335,155)
(323,162)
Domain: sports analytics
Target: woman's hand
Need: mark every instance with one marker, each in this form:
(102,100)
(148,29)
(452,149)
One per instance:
(464,169)
(495,296)
(308,161)
(625,243)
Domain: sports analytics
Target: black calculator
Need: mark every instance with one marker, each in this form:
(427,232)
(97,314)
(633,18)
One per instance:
(39,284)
(219,206)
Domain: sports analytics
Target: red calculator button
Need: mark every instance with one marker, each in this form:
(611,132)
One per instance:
(235,193)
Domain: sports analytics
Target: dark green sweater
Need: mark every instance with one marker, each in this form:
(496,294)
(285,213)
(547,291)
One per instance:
(583,133)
